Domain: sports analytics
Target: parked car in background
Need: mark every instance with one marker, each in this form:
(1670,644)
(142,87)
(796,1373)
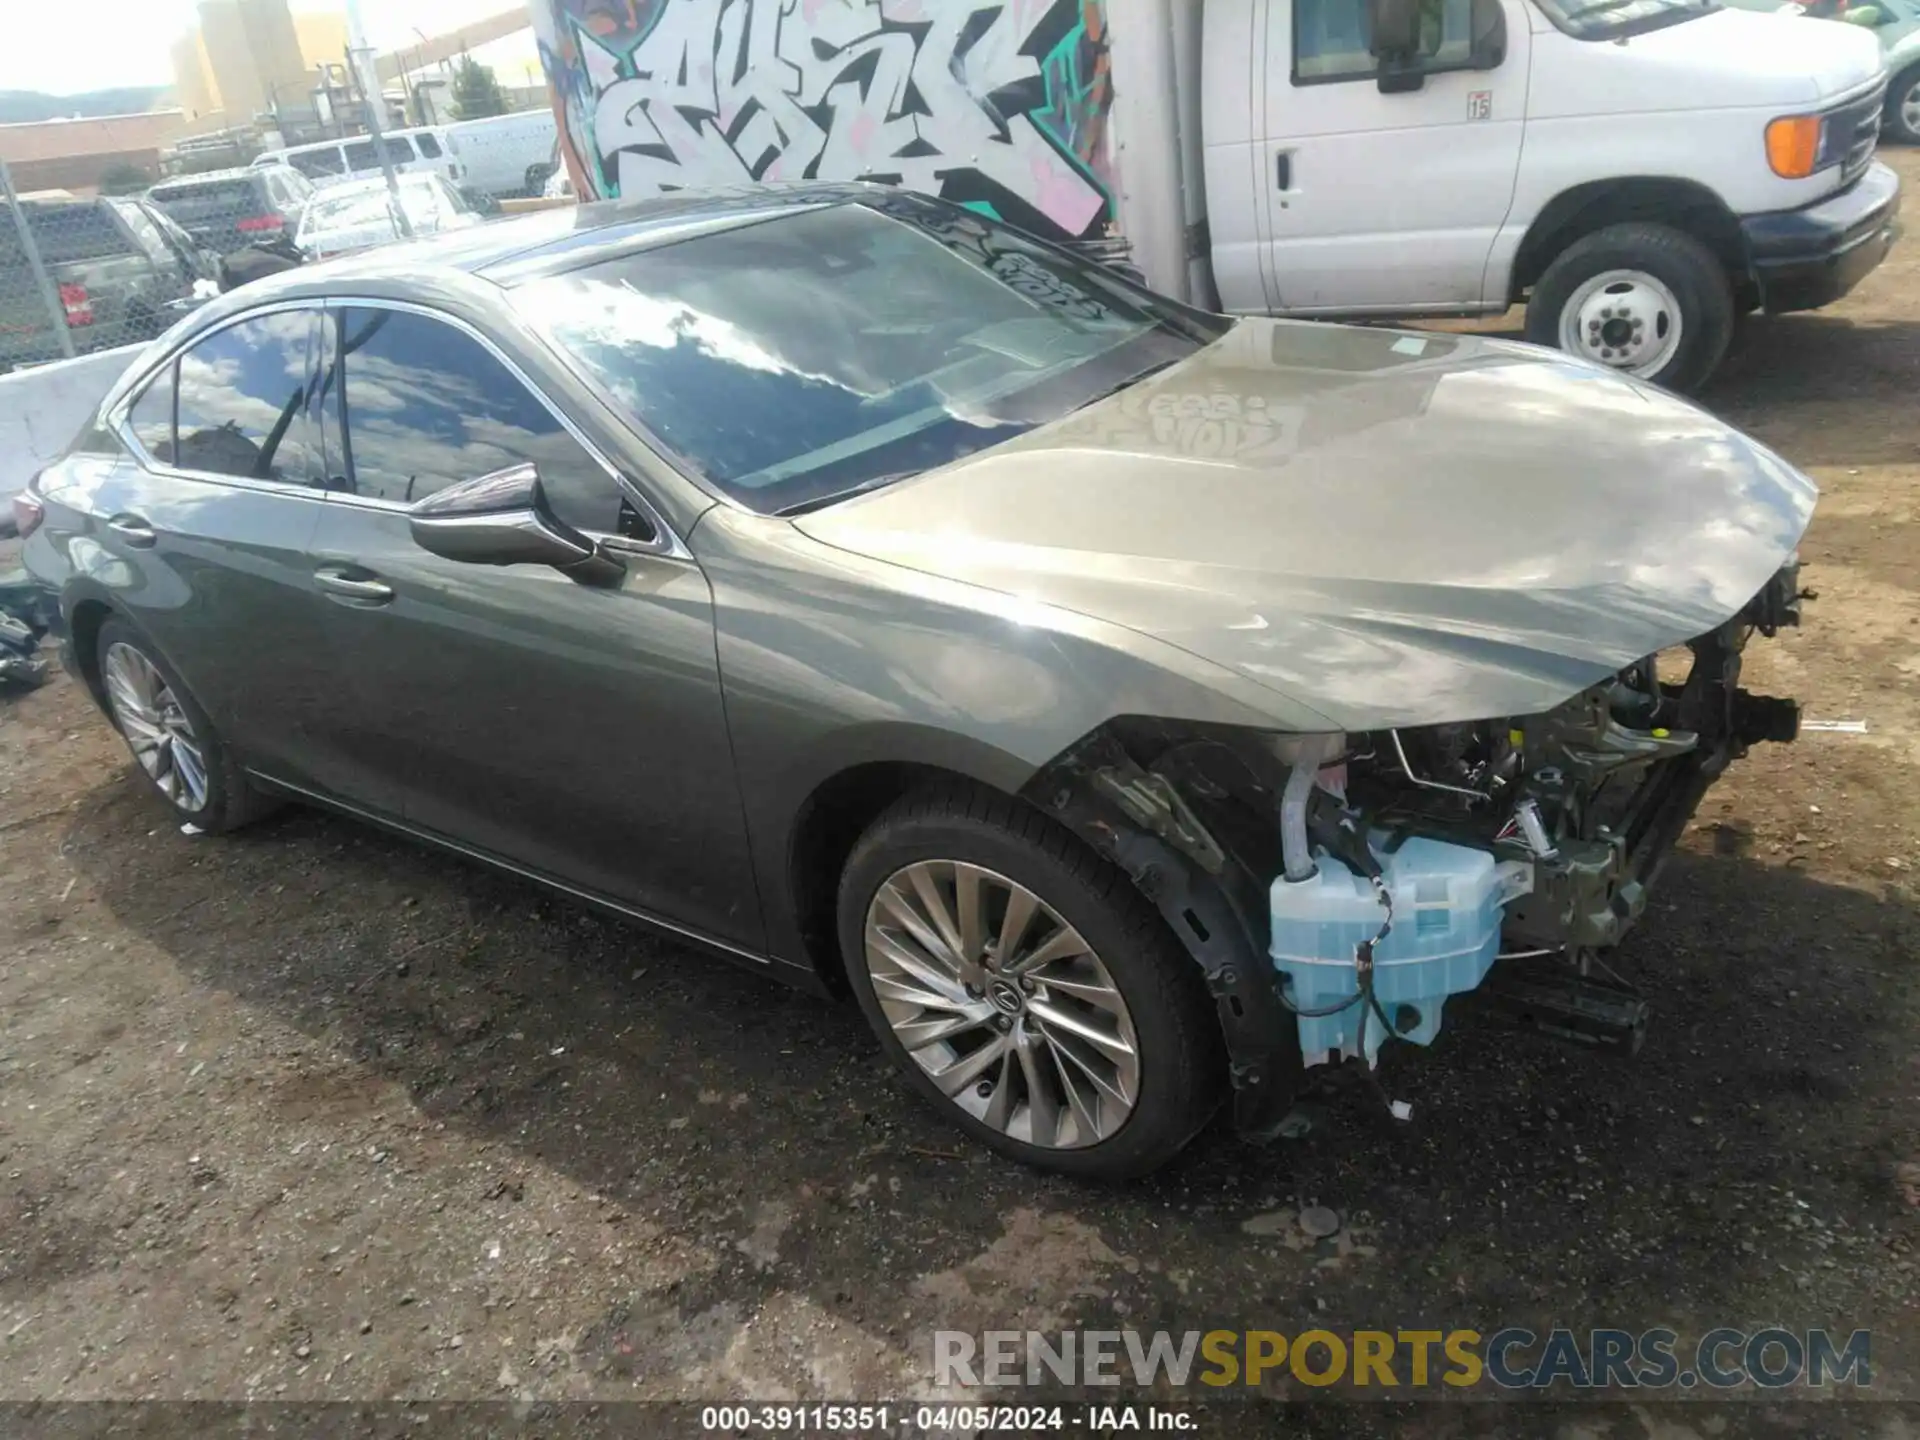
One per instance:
(1896,23)
(360,213)
(857,587)
(228,210)
(121,272)
(505,155)
(421,151)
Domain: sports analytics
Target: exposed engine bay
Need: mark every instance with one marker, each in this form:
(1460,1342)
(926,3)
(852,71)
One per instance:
(1378,873)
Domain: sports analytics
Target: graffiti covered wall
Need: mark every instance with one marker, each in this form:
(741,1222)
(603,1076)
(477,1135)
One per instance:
(997,104)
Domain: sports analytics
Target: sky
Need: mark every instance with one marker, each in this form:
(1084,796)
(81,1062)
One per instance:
(126,42)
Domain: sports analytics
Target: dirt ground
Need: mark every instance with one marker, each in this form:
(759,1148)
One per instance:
(311,1114)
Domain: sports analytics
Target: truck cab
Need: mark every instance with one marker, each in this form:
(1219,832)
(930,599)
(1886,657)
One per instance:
(1638,172)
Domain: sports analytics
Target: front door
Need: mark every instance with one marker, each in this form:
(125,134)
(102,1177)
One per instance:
(1378,201)
(576,732)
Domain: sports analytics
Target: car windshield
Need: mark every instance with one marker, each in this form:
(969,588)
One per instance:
(794,360)
(1609,19)
(351,207)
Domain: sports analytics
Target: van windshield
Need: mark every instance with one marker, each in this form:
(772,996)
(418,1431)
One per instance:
(1611,19)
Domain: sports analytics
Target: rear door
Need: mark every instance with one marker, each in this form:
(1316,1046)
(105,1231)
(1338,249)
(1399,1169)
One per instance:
(205,531)
(1386,202)
(575,732)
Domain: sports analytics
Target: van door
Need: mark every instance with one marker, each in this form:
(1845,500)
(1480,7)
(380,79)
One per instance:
(1388,202)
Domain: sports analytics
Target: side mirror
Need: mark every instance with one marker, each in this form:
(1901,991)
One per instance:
(1393,30)
(1488,19)
(504,519)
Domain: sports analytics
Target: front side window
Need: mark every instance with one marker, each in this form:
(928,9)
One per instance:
(807,353)
(1331,39)
(427,406)
(242,401)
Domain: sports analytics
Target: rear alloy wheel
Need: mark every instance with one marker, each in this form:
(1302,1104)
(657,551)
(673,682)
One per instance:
(1903,106)
(1646,300)
(156,727)
(1025,988)
(172,740)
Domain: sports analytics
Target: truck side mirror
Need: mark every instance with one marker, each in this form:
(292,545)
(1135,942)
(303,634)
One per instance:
(1488,20)
(1393,31)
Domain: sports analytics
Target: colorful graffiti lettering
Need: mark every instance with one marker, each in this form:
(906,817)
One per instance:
(997,104)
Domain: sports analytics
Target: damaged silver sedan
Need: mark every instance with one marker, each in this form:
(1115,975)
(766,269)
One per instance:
(1130,707)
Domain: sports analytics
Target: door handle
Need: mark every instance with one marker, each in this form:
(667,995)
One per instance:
(348,587)
(135,531)
(1283,170)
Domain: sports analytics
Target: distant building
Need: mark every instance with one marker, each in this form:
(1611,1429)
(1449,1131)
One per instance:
(323,38)
(193,78)
(75,154)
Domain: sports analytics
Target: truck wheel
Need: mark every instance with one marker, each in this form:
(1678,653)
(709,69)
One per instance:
(536,178)
(1025,988)
(1645,299)
(1903,105)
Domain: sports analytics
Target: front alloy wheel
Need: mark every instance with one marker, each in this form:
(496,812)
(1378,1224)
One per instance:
(1025,987)
(1003,1004)
(156,727)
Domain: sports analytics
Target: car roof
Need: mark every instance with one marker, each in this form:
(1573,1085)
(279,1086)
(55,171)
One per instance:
(512,251)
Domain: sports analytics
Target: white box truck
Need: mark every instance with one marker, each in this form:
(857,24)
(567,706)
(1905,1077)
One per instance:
(1640,172)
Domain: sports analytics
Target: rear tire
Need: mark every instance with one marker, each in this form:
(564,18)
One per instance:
(1903,106)
(1036,1057)
(174,744)
(1646,300)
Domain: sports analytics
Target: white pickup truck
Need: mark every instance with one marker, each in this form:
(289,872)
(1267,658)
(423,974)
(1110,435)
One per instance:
(1641,172)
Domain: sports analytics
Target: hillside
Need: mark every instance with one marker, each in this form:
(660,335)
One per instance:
(19,106)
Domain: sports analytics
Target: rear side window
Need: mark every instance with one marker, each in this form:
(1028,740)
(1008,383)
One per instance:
(428,406)
(317,163)
(152,416)
(429,147)
(242,407)
(69,233)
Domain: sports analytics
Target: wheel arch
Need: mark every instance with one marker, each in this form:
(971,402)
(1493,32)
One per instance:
(85,621)
(1685,205)
(1213,904)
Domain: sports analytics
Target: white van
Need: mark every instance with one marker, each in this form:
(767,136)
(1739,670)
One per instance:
(423,150)
(1639,172)
(505,155)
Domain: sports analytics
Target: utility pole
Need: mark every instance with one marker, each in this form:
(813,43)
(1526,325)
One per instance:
(368,69)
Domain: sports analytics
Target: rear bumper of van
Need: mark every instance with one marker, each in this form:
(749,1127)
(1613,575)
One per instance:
(1803,259)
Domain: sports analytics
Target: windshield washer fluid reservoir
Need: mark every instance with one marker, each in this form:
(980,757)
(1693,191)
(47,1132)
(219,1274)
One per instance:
(1448,902)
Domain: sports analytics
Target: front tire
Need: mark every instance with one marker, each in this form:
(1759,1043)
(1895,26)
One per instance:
(1025,988)
(1647,300)
(173,742)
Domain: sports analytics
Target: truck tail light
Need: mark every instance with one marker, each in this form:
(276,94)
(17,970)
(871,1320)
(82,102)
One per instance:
(28,512)
(262,224)
(78,305)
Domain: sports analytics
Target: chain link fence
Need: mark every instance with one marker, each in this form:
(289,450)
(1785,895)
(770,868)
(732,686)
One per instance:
(84,273)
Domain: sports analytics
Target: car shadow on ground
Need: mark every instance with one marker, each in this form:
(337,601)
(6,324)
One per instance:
(693,1092)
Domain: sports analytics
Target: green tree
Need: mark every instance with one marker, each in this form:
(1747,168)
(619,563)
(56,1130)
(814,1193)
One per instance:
(124,178)
(476,94)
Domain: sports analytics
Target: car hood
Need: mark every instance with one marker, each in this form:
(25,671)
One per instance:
(1386,528)
(1739,57)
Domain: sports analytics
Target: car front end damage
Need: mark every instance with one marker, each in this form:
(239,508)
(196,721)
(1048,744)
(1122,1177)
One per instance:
(1566,817)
